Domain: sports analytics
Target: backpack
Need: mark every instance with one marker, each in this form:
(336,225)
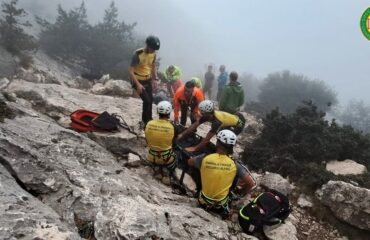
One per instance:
(106,122)
(268,208)
(87,121)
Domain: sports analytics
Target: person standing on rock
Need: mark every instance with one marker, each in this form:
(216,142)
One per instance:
(219,120)
(160,135)
(219,173)
(221,79)
(209,78)
(232,97)
(143,74)
(173,76)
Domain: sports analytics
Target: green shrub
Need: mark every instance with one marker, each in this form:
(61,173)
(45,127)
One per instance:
(298,145)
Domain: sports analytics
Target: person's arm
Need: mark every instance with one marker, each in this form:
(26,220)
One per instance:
(176,107)
(154,76)
(196,161)
(241,99)
(246,181)
(199,98)
(134,62)
(176,74)
(189,130)
(246,184)
(154,70)
(202,143)
(139,88)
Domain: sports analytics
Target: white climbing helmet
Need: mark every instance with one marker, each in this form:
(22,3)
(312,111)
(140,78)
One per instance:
(227,136)
(206,106)
(164,107)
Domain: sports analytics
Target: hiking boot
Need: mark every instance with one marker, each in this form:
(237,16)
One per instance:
(166,180)
(141,125)
(157,174)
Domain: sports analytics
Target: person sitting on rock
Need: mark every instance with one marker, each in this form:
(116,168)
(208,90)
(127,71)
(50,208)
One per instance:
(219,174)
(219,120)
(160,135)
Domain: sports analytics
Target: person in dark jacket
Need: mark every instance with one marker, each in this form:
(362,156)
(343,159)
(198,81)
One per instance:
(221,79)
(232,97)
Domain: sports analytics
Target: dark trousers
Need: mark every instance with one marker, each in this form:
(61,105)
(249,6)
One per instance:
(147,97)
(219,92)
(184,111)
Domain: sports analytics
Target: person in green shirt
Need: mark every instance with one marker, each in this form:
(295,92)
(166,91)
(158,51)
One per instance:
(232,97)
(173,76)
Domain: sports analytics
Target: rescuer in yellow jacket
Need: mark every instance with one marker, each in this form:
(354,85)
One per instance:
(219,120)
(143,74)
(160,135)
(219,173)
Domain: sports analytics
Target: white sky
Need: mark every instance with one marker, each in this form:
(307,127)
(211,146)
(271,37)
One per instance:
(319,39)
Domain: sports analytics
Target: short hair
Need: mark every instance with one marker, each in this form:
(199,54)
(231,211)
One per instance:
(190,84)
(164,115)
(233,76)
(228,147)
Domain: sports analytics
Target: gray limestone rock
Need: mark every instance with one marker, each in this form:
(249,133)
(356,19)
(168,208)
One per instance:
(86,186)
(348,203)
(277,182)
(22,216)
(286,231)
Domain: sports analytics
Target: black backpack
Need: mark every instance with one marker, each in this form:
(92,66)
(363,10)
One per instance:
(268,208)
(106,121)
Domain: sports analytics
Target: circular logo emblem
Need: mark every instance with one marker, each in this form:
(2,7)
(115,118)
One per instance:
(365,24)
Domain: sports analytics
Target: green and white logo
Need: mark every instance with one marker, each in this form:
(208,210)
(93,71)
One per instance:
(365,24)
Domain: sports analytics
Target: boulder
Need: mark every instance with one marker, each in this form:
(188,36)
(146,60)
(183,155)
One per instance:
(113,88)
(277,182)
(346,167)
(133,160)
(286,231)
(348,203)
(3,83)
(24,216)
(304,201)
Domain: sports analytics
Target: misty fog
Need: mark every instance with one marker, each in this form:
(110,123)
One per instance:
(321,40)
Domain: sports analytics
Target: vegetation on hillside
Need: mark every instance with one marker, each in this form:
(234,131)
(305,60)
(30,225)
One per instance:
(106,47)
(356,113)
(12,36)
(287,90)
(299,144)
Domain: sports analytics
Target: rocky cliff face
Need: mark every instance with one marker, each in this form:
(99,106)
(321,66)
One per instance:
(87,187)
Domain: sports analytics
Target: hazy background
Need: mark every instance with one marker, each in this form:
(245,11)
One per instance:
(320,39)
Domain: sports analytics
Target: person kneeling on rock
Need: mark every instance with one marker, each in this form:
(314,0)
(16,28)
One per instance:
(219,173)
(160,135)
